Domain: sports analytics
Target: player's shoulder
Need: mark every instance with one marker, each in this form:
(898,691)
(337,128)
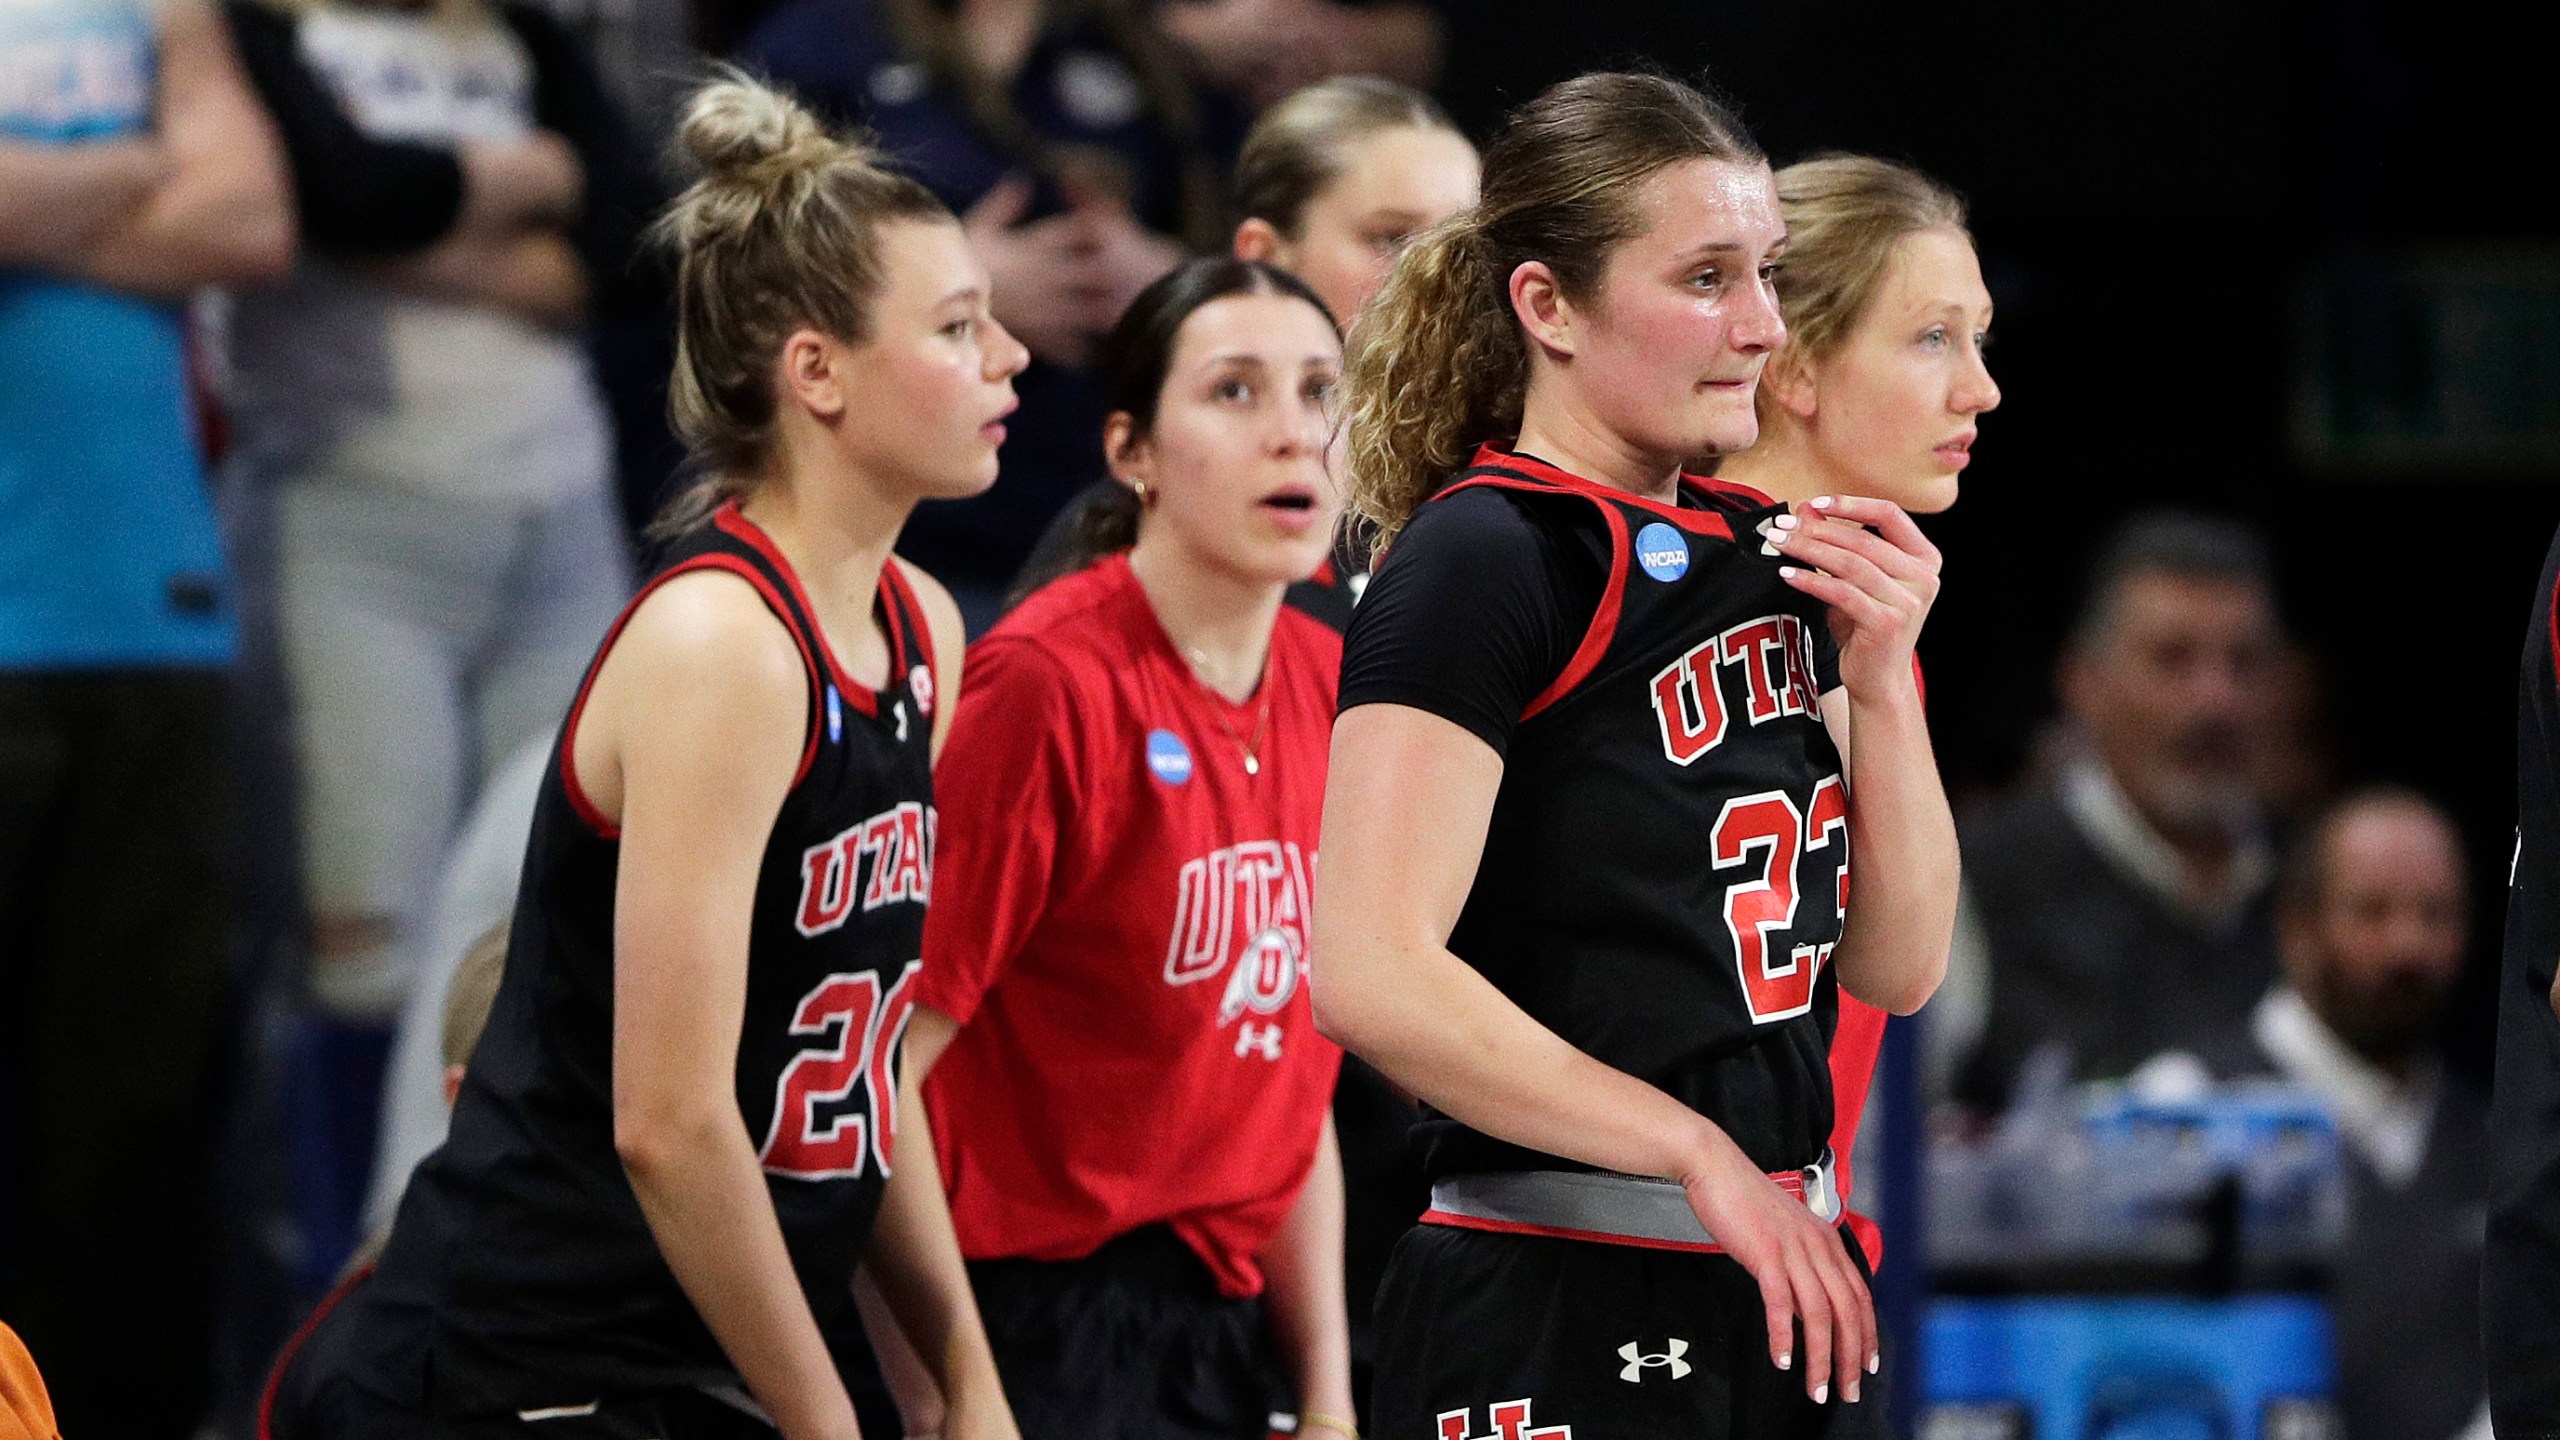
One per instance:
(1486,524)
(1076,627)
(714,624)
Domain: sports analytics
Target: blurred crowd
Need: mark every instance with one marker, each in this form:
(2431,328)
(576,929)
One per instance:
(333,355)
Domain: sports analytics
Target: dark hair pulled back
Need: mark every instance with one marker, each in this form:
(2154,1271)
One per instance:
(1136,358)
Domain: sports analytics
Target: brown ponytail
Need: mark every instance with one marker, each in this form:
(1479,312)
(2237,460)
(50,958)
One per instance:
(780,231)
(1441,365)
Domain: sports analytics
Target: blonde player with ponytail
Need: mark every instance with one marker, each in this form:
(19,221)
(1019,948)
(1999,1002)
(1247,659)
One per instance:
(676,1135)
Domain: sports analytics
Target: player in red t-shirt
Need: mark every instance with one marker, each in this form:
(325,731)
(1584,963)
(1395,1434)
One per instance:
(1876,392)
(1127,1084)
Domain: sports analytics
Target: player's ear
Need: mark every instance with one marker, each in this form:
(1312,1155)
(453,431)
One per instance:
(1538,299)
(1790,382)
(1125,452)
(1256,239)
(806,374)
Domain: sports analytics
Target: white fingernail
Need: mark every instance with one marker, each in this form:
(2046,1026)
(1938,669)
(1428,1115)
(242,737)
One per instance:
(1787,1361)
(1849,1392)
(1821,1394)
(1821,502)
(1786,572)
(1784,522)
(1874,1363)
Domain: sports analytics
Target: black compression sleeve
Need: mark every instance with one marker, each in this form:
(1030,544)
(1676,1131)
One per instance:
(356,196)
(1476,609)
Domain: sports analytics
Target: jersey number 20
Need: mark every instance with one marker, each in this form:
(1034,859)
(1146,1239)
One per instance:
(868,1028)
(1777,978)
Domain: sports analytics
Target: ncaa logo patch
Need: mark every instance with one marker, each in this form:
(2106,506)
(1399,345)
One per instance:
(1662,551)
(835,714)
(1168,757)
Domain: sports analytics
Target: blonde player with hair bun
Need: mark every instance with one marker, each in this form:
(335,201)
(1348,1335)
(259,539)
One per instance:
(683,1126)
(1878,391)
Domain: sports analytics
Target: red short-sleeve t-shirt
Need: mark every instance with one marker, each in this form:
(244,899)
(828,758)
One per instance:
(1119,924)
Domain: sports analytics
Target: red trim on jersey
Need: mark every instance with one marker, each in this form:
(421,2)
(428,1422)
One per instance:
(903,608)
(1696,522)
(2554,619)
(1324,573)
(301,1337)
(1604,623)
(1557,1232)
(862,697)
(585,807)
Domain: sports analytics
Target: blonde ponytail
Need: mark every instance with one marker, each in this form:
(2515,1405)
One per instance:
(1437,366)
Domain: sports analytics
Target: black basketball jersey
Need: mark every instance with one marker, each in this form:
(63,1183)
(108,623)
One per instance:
(520,1272)
(1666,867)
(2520,1289)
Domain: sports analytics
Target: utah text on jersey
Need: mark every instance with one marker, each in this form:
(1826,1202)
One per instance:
(1247,904)
(1689,697)
(900,844)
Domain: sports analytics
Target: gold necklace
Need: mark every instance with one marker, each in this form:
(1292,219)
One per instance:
(1262,717)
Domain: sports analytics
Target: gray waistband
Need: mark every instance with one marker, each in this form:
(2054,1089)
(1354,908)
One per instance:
(1626,1207)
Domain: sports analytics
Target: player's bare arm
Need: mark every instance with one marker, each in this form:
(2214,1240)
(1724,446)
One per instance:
(1407,805)
(915,1261)
(1302,1268)
(223,211)
(695,790)
(1879,584)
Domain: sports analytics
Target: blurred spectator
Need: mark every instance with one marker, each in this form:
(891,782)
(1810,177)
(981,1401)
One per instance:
(2121,908)
(1261,50)
(1083,161)
(2373,919)
(475,893)
(1331,183)
(417,401)
(134,168)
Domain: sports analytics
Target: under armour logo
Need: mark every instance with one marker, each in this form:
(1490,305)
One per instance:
(1638,1362)
(899,709)
(1267,1040)
(1510,1422)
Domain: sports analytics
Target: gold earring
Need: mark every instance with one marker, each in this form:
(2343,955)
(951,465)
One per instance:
(1146,498)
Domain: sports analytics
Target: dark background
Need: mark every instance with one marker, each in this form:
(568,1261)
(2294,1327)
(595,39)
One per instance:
(2201,223)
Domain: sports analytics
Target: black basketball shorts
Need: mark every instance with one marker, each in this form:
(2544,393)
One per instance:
(1490,1336)
(1132,1342)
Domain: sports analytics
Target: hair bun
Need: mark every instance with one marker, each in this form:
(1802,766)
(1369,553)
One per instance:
(735,125)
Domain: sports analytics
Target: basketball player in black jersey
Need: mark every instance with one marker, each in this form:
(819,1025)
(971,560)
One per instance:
(673,1141)
(1593,798)
(2520,1272)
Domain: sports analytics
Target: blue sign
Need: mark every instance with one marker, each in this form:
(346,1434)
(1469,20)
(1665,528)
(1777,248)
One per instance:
(1168,757)
(1662,551)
